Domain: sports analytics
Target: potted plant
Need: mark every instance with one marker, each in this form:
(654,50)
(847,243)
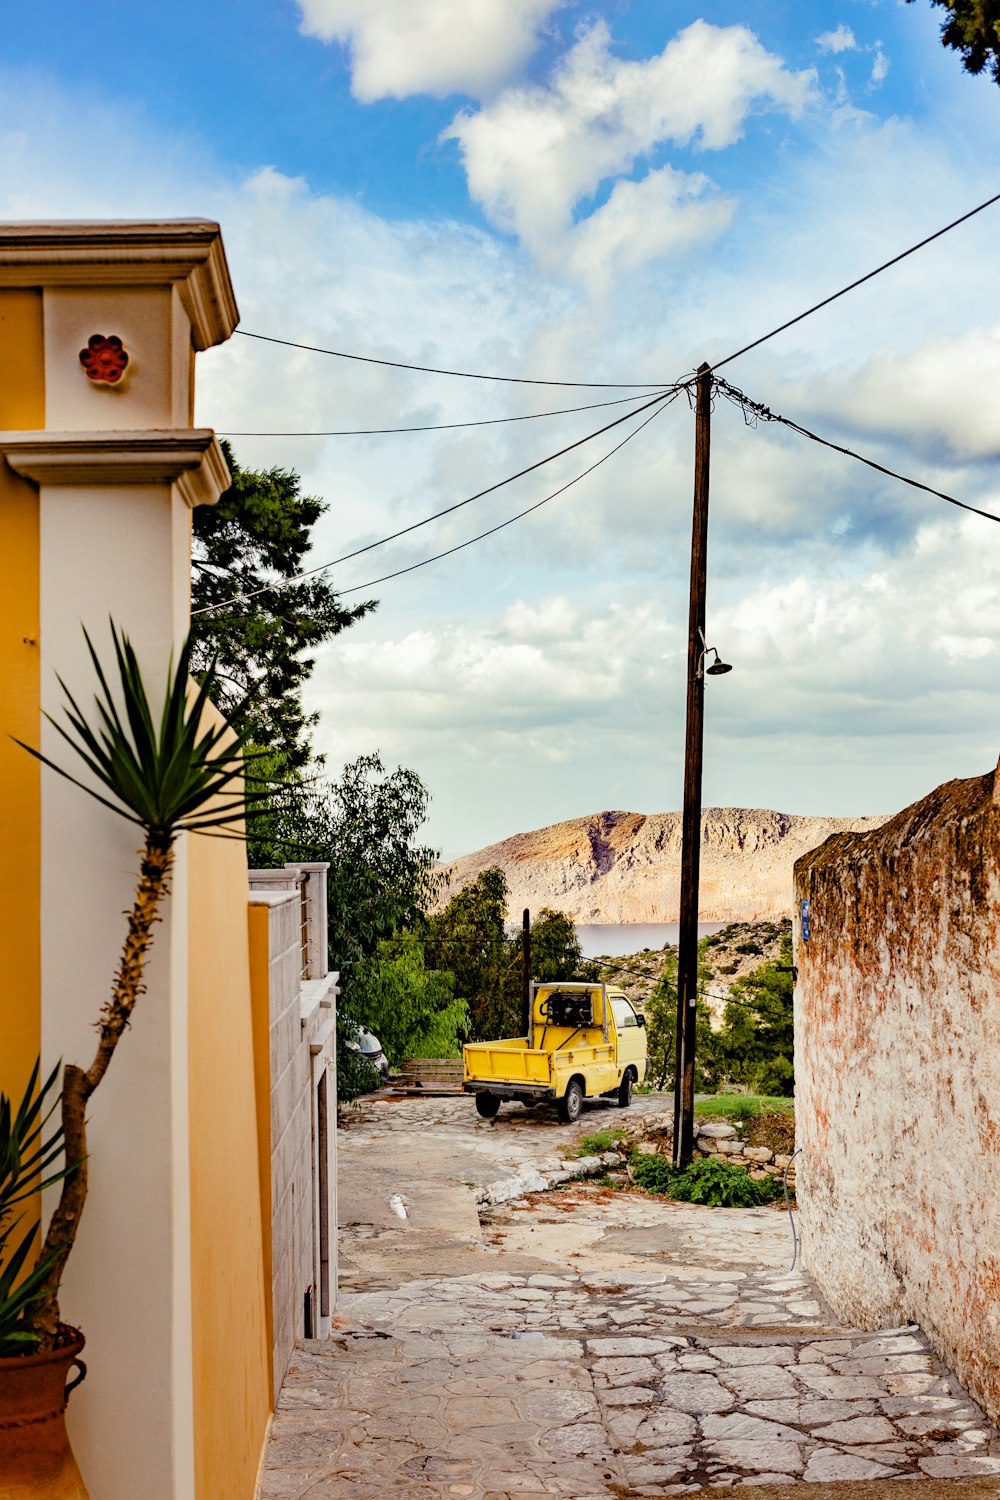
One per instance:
(168,776)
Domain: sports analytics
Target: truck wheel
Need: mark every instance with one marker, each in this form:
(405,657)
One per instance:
(625,1089)
(487,1105)
(570,1106)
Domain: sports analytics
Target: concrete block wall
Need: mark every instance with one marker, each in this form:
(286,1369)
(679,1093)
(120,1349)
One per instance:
(897,1047)
(301,1047)
(291,1137)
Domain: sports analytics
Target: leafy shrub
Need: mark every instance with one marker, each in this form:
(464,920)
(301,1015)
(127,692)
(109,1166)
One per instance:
(712,1181)
(654,1173)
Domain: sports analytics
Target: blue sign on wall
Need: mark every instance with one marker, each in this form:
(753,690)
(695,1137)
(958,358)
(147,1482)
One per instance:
(805,921)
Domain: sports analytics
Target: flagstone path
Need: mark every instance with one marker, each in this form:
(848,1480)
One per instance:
(612,1345)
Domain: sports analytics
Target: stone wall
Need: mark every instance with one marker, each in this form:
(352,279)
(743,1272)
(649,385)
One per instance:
(725,1138)
(897,1046)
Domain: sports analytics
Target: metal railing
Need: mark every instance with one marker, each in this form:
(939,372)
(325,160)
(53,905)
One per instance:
(309,881)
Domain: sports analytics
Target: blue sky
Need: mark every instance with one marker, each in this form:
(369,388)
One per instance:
(586,192)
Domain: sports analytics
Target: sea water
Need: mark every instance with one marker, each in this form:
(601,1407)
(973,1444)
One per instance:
(619,938)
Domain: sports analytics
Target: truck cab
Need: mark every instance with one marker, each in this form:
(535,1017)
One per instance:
(585,1040)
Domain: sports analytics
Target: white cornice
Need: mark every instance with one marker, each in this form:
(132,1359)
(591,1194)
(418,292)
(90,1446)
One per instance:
(190,456)
(187,253)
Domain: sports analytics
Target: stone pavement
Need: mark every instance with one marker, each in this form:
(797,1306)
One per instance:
(588,1343)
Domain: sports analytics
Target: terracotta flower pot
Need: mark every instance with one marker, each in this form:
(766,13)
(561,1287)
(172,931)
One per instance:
(36,1462)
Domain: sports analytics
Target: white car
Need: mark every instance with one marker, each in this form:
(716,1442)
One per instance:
(371,1049)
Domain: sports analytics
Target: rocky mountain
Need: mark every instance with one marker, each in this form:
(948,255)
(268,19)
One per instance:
(626,867)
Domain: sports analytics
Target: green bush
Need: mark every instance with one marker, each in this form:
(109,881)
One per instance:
(655,1174)
(716,1183)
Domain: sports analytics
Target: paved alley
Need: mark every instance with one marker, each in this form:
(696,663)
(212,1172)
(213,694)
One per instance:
(586,1343)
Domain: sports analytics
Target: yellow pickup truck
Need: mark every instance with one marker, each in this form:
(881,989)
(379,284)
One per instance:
(586,1040)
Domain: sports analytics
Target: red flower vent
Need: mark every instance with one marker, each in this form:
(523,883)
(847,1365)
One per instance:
(104,359)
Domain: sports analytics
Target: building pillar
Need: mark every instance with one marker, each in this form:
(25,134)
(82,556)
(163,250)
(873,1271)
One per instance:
(117,468)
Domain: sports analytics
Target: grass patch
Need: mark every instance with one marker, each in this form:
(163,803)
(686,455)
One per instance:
(740,1106)
(716,1183)
(601,1140)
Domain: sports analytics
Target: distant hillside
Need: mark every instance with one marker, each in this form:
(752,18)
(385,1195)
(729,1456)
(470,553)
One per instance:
(626,867)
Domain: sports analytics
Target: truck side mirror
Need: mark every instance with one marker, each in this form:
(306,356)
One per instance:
(641,1019)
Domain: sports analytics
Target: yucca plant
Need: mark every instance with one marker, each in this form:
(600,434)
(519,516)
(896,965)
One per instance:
(169,777)
(28,1148)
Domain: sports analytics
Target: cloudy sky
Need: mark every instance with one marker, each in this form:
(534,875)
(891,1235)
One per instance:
(603,194)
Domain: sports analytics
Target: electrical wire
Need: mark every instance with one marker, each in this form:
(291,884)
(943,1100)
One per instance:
(790,323)
(788,1207)
(757,410)
(282,583)
(360,587)
(398,364)
(528,416)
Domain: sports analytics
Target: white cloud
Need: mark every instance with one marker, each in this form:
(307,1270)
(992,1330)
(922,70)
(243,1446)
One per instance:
(880,66)
(535,154)
(855,688)
(938,398)
(663,213)
(842,39)
(439,47)
(540,675)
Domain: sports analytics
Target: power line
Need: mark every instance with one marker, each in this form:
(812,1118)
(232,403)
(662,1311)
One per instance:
(851,286)
(755,410)
(360,587)
(282,583)
(398,364)
(528,416)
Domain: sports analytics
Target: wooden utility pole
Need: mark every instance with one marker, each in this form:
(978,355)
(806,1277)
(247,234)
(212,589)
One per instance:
(687,941)
(526,972)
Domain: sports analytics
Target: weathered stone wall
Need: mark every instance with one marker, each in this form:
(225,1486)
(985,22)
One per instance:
(897,1043)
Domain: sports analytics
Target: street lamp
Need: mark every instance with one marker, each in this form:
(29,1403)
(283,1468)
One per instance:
(718,667)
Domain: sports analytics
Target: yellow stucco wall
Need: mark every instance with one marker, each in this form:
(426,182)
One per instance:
(232,1397)
(22,406)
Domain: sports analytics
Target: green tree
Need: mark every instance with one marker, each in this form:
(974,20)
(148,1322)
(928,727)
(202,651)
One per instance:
(555,948)
(365,825)
(411,1008)
(756,1044)
(381,880)
(255,538)
(661,1023)
(972,27)
(661,1026)
(469,939)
